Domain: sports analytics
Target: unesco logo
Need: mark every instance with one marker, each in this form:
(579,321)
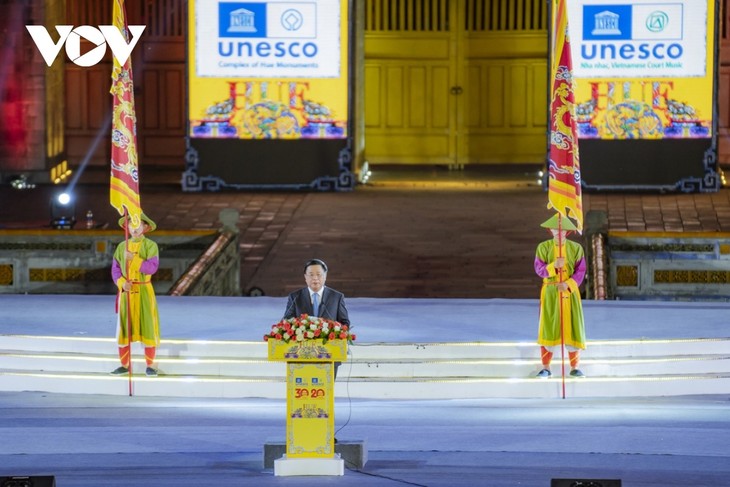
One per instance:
(657,21)
(292,20)
(262,31)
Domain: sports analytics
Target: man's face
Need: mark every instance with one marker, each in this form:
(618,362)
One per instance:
(315,276)
(137,231)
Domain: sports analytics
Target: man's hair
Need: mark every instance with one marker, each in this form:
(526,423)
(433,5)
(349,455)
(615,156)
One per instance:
(315,262)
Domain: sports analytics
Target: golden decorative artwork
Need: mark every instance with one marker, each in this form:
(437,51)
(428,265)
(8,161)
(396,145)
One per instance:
(627,275)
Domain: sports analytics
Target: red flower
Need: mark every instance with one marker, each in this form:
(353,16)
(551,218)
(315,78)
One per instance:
(287,329)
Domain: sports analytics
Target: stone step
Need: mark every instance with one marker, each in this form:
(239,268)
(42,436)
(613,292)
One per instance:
(373,350)
(378,388)
(374,368)
(353,452)
(198,368)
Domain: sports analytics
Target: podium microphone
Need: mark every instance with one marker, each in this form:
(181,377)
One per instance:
(289,309)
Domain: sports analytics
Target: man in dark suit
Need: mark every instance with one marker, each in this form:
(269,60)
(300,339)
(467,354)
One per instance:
(316,299)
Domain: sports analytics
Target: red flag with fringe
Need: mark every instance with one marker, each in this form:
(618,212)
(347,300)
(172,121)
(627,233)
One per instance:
(124,184)
(564,186)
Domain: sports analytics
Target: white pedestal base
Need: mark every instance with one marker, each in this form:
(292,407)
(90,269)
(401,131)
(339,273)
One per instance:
(287,467)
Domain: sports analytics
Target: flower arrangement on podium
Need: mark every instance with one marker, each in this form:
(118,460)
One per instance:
(309,338)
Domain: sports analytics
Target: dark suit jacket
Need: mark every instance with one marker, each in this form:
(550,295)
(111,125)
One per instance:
(331,307)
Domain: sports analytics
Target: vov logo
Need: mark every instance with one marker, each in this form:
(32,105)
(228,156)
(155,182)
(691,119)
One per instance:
(71,37)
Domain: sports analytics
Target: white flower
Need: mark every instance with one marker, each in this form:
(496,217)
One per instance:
(300,338)
(313,326)
(310,334)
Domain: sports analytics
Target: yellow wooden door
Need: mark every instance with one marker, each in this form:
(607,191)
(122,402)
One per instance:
(410,68)
(505,81)
(455,81)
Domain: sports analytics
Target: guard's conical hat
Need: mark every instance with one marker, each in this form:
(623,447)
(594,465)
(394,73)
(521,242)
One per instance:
(144,218)
(552,222)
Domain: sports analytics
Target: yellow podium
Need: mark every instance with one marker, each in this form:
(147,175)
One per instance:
(310,406)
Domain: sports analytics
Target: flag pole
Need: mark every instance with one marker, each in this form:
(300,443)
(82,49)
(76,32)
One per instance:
(564,186)
(127,221)
(124,180)
(560,305)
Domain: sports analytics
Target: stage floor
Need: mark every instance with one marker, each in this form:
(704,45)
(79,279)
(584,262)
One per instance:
(121,441)
(97,440)
(375,320)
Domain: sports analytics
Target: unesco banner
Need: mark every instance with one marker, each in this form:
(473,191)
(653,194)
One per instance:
(269,88)
(270,39)
(660,40)
(645,93)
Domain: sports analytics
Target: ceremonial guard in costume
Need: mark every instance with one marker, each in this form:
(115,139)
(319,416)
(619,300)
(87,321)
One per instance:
(135,261)
(562,265)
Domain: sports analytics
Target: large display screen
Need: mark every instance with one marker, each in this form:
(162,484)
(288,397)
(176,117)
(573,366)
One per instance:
(646,93)
(268,70)
(644,69)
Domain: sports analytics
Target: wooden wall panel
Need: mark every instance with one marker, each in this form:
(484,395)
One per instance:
(440,98)
(148,107)
(495,106)
(540,103)
(158,64)
(417,93)
(174,109)
(373,95)
(517,95)
(724,97)
(88,105)
(75,101)
(723,135)
(724,87)
(407,115)
(99,98)
(725,32)
(475,106)
(394,101)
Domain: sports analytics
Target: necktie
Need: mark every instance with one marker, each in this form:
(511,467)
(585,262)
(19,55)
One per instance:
(315,304)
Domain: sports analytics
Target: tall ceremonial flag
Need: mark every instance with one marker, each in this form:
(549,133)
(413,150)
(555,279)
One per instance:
(124,185)
(564,188)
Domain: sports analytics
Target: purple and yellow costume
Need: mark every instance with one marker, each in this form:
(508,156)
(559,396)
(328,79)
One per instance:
(573,274)
(560,308)
(139,303)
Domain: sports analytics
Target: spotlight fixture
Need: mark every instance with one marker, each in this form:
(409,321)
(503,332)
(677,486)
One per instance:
(35,481)
(365,173)
(21,182)
(63,211)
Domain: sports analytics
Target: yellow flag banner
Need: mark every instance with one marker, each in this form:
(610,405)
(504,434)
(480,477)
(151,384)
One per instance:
(124,185)
(564,187)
